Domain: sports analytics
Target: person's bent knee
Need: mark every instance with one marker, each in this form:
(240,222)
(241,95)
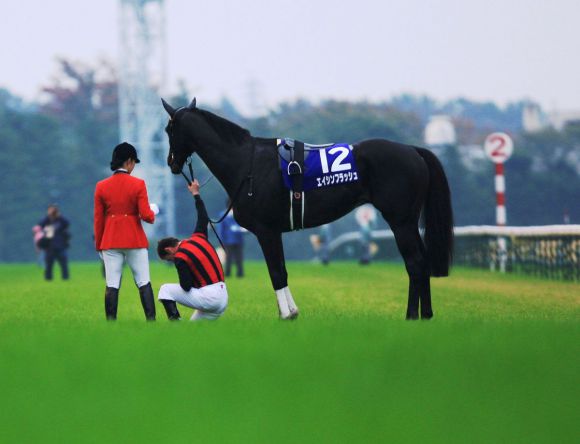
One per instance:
(165,293)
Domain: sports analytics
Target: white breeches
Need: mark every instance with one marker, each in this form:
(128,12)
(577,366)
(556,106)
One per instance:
(137,259)
(210,301)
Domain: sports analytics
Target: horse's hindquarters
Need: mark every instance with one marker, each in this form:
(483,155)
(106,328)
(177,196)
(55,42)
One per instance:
(396,178)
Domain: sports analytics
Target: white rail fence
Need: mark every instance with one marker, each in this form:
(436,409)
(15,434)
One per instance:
(549,251)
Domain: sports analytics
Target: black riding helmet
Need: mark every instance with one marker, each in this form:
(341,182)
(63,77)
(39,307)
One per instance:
(123,152)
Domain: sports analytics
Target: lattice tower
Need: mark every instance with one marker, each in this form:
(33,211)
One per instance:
(142,76)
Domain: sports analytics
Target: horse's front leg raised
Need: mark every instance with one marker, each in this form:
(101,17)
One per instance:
(271,243)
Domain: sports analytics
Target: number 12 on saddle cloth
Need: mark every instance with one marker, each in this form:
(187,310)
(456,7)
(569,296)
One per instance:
(323,167)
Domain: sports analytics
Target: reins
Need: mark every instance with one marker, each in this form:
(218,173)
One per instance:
(249,178)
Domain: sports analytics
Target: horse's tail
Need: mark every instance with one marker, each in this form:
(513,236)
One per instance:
(438,216)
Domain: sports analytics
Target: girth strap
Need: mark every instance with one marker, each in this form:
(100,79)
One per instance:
(296,174)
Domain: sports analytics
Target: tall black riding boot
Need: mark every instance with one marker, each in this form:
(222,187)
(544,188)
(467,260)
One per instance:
(111,302)
(147,301)
(171,310)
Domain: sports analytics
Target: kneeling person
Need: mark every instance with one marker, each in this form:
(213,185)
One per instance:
(201,277)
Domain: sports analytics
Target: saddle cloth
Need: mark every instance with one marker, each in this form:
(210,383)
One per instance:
(324,165)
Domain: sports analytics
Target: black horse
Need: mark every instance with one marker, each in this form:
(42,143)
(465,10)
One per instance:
(401,181)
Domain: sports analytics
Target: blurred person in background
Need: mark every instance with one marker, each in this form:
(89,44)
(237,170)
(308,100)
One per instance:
(121,203)
(232,236)
(320,244)
(325,238)
(366,217)
(54,241)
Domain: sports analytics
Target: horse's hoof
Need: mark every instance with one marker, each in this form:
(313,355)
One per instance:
(412,316)
(293,315)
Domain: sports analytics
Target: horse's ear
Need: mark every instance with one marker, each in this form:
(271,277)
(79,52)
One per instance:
(193,103)
(170,110)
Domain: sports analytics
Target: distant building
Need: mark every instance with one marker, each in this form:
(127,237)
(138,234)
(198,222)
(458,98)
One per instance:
(440,131)
(440,135)
(473,157)
(559,119)
(534,120)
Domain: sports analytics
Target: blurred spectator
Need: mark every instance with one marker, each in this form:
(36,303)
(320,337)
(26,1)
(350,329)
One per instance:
(232,236)
(54,242)
(320,243)
(325,237)
(365,240)
(366,217)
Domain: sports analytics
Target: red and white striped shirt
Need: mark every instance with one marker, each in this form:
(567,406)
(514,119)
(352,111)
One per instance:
(197,262)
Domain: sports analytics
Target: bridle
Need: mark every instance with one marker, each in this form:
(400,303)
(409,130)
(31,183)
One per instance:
(249,178)
(232,201)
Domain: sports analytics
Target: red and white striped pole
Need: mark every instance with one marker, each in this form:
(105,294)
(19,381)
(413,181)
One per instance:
(499,148)
(500,211)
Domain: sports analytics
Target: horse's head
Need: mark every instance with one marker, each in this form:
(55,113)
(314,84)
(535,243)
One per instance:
(193,130)
(180,148)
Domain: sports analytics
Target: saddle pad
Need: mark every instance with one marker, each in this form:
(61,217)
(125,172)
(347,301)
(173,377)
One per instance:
(332,165)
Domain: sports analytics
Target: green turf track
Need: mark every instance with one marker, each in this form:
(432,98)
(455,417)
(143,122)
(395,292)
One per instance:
(498,363)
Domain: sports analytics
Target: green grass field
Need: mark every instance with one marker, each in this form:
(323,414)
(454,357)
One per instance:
(498,363)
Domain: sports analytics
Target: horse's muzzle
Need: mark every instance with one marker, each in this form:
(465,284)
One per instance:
(173,164)
(175,168)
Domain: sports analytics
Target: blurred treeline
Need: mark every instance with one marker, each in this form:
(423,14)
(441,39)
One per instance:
(56,150)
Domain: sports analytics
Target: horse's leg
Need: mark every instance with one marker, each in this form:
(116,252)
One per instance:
(414,254)
(271,243)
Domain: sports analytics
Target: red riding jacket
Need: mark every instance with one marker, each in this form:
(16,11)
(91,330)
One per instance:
(120,204)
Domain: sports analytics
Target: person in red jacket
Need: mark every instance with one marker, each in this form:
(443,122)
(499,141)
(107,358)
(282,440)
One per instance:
(201,277)
(121,203)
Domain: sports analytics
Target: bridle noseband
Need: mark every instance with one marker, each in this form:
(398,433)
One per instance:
(189,163)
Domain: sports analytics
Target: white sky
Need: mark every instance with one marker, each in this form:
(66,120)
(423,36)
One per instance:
(499,50)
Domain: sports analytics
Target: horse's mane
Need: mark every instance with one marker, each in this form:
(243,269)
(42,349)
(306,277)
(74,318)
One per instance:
(225,128)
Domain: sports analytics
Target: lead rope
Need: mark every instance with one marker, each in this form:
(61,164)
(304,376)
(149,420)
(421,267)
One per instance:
(189,184)
(250,178)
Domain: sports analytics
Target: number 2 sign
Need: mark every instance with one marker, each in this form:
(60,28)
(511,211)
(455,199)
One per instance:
(498,147)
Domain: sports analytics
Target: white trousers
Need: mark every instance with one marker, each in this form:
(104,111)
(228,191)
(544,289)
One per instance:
(209,302)
(137,259)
